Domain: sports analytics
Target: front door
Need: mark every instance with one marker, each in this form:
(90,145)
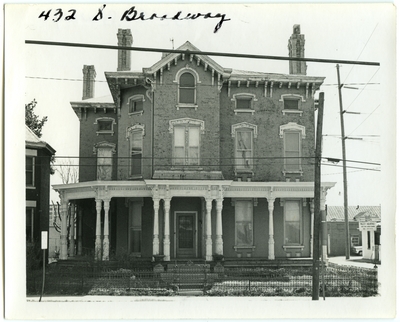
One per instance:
(186,234)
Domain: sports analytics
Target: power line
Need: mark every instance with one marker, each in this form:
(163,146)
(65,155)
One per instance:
(196,52)
(63,79)
(365,119)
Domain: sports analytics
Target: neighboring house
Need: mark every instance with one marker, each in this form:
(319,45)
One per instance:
(37,173)
(336,228)
(189,159)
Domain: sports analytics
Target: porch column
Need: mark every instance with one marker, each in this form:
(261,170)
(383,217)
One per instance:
(63,241)
(97,246)
(79,232)
(271,242)
(324,228)
(156,240)
(312,227)
(208,229)
(219,245)
(72,230)
(167,242)
(106,240)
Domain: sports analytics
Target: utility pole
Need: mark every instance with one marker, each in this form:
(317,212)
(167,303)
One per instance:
(346,215)
(317,200)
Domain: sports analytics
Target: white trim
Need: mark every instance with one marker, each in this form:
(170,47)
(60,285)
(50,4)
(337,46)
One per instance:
(246,125)
(244,111)
(186,121)
(196,77)
(136,128)
(291,126)
(112,120)
(30,153)
(293,97)
(137,97)
(133,128)
(30,203)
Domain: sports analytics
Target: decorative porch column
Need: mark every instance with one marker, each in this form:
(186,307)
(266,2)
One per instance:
(312,227)
(106,239)
(63,241)
(219,245)
(80,213)
(167,241)
(208,229)
(97,246)
(156,239)
(72,230)
(271,241)
(324,228)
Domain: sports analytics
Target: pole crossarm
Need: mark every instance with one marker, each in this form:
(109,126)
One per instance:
(194,52)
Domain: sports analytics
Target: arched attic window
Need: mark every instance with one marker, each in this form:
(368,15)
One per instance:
(187,80)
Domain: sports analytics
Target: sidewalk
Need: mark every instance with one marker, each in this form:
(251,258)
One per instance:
(357,261)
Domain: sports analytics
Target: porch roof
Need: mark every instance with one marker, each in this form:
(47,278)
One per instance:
(160,189)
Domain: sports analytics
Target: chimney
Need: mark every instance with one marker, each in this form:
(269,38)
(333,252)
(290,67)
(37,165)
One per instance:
(89,74)
(124,56)
(296,49)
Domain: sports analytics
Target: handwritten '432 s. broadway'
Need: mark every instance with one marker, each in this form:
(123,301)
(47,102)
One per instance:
(132,15)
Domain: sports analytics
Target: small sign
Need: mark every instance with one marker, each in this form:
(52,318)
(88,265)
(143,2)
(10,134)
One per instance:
(44,239)
(367,225)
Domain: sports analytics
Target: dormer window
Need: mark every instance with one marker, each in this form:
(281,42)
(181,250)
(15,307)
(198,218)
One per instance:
(187,80)
(244,103)
(292,104)
(136,104)
(105,125)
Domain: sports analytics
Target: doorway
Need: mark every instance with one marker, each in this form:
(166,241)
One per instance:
(186,234)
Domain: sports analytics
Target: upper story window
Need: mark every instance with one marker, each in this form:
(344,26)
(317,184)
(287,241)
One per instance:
(244,134)
(29,226)
(186,141)
(292,104)
(104,151)
(244,103)
(187,80)
(135,135)
(105,125)
(30,159)
(292,135)
(293,223)
(136,104)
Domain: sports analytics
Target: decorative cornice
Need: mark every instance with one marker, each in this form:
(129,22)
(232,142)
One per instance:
(185,121)
(291,126)
(247,125)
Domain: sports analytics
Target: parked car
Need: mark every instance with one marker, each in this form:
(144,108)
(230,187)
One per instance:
(356,250)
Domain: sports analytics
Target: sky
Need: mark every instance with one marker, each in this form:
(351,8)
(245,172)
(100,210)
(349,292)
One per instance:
(53,74)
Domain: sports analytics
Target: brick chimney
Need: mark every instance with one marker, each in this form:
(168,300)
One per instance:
(89,74)
(124,56)
(296,49)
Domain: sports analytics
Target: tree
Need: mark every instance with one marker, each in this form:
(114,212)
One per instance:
(68,172)
(32,120)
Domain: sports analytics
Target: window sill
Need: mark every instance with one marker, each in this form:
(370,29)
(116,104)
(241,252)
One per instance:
(185,168)
(252,248)
(178,106)
(285,172)
(244,171)
(244,111)
(284,112)
(294,247)
(136,113)
(30,187)
(135,177)
(105,132)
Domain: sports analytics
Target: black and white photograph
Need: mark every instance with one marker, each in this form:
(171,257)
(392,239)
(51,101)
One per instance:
(200,161)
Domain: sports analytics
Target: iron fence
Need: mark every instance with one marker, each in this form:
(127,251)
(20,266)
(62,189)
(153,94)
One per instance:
(288,281)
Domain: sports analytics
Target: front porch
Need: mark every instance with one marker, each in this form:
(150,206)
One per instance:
(181,220)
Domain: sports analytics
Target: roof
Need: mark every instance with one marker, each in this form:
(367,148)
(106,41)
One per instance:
(33,141)
(336,213)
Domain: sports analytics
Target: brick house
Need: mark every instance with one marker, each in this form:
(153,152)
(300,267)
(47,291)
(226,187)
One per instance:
(37,192)
(187,159)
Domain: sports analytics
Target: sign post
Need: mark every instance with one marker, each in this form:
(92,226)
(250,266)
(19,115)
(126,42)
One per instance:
(44,247)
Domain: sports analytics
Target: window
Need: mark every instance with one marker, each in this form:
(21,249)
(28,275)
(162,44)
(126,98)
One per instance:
(355,240)
(30,171)
(292,151)
(105,125)
(244,223)
(292,134)
(136,148)
(104,152)
(29,224)
(244,103)
(136,104)
(244,150)
(292,226)
(292,103)
(187,89)
(135,226)
(186,145)
(135,135)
